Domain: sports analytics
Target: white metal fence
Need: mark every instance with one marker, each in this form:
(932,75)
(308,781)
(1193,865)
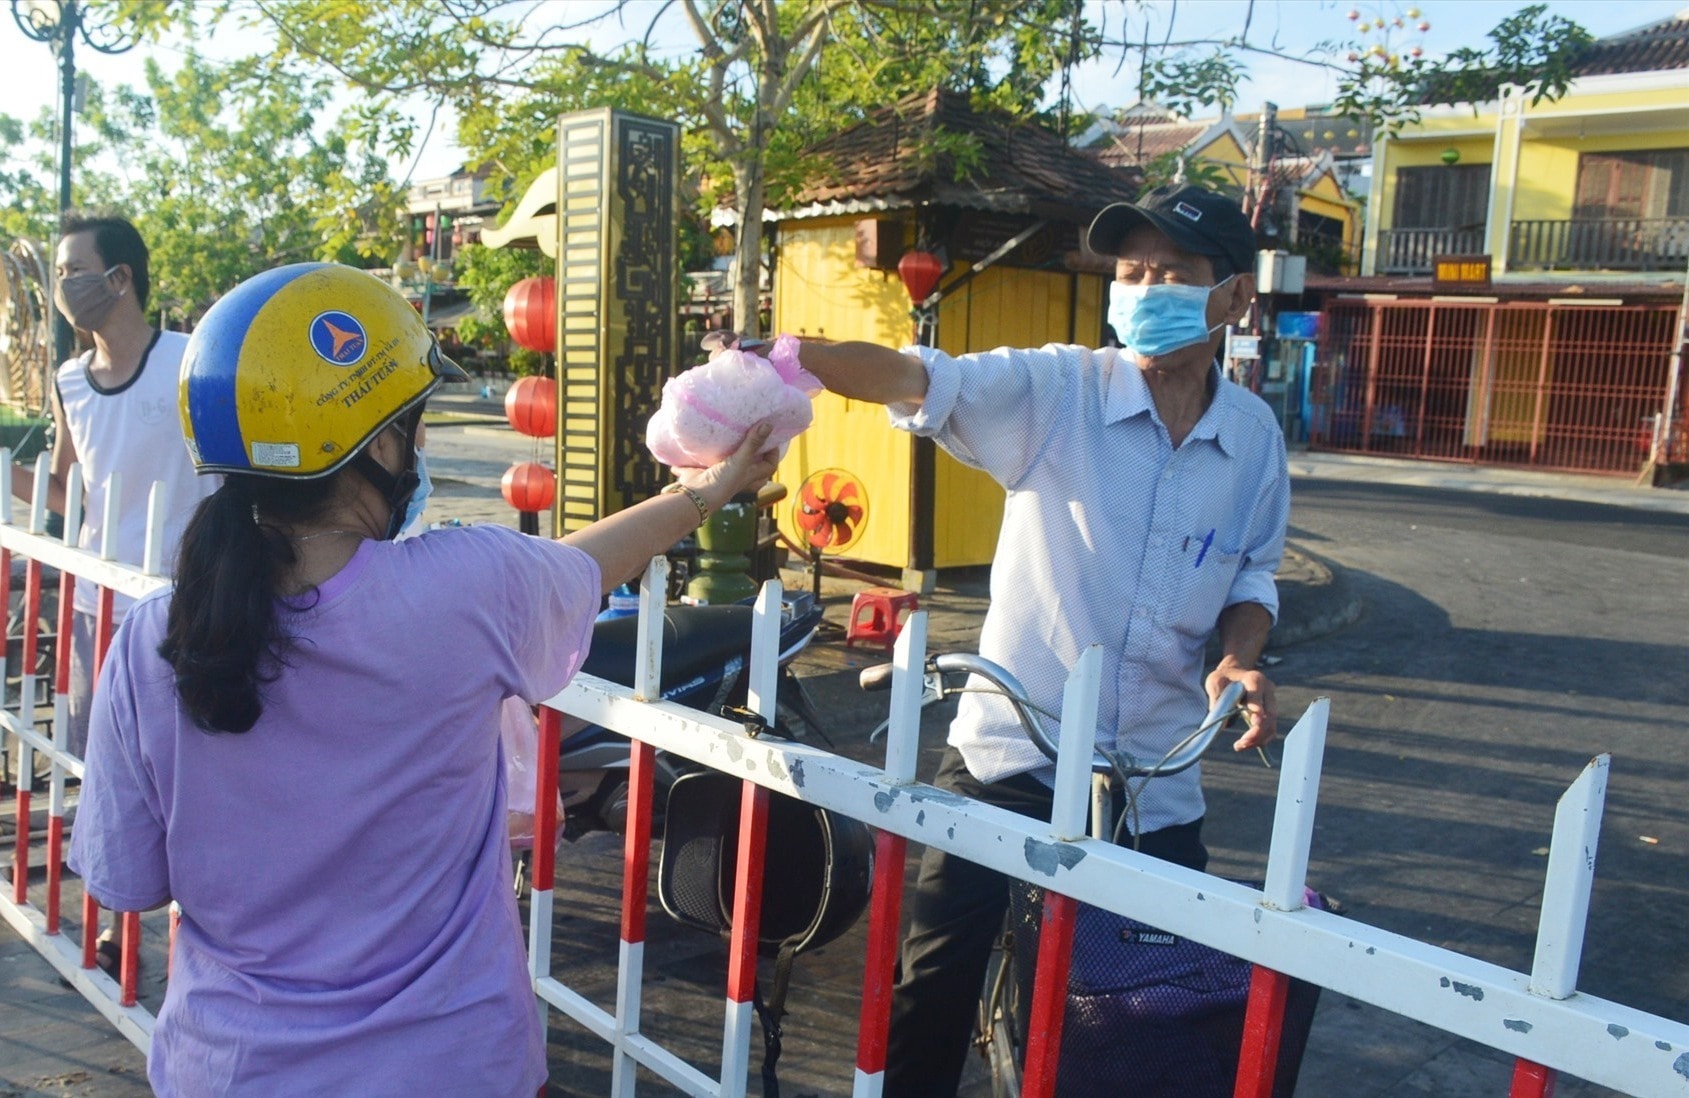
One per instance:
(22,737)
(1538,1017)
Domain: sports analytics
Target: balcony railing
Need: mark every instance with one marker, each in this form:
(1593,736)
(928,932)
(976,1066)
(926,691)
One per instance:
(1410,251)
(1605,244)
(1585,244)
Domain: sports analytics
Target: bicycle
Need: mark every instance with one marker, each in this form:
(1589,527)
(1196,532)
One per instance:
(1000,1022)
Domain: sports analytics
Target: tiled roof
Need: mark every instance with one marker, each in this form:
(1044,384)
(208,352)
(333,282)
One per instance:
(1023,168)
(1657,47)
(1137,141)
(1304,171)
(1653,48)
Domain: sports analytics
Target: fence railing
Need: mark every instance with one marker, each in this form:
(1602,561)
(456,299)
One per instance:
(1537,1017)
(1412,251)
(1604,244)
(21,737)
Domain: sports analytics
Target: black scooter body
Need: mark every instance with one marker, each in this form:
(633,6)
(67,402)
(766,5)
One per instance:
(706,653)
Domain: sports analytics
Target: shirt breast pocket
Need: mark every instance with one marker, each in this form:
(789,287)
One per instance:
(1201,589)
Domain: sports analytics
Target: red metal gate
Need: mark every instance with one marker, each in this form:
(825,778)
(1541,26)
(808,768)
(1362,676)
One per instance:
(1572,387)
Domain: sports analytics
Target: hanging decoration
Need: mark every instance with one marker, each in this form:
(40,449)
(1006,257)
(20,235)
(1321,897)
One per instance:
(529,486)
(531,407)
(920,272)
(530,313)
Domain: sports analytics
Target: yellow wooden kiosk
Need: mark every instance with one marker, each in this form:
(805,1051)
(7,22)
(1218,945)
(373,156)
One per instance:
(1008,233)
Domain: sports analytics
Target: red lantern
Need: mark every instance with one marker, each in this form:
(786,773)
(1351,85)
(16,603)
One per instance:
(530,313)
(531,406)
(529,486)
(921,272)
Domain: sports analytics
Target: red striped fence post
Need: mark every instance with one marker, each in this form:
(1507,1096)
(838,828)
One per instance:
(1049,996)
(1263,1029)
(890,852)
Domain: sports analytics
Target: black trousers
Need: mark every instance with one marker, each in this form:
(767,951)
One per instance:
(955,917)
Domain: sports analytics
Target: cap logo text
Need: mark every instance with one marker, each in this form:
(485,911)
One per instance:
(1190,213)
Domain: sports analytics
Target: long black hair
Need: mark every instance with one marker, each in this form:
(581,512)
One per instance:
(223,637)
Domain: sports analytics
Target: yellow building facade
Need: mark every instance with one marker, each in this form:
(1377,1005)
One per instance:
(1602,157)
(1005,235)
(1523,277)
(821,291)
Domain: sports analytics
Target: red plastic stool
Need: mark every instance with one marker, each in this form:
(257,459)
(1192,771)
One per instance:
(877,615)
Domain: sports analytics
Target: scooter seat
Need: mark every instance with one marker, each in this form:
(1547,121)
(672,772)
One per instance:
(696,640)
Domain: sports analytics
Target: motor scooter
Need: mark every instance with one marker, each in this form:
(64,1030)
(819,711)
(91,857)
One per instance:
(706,654)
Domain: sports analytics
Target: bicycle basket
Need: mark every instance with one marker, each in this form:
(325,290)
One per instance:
(1151,1009)
(819,863)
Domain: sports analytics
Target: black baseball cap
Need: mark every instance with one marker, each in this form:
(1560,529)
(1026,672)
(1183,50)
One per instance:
(1196,219)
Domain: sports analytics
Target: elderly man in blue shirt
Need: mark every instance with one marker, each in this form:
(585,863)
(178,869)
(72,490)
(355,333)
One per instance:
(1146,510)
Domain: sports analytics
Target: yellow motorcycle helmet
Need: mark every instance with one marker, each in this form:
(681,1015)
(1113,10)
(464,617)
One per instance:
(290,373)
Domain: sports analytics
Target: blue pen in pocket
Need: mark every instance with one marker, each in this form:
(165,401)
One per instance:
(1203,552)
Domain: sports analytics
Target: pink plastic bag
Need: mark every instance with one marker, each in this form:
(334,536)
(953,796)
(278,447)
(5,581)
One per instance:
(520,734)
(707,410)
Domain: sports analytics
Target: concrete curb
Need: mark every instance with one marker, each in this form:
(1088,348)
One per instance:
(1607,491)
(1316,598)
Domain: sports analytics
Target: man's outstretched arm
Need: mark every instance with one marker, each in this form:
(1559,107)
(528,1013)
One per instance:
(866,371)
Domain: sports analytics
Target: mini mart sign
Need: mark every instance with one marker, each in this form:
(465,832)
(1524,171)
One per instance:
(1460,272)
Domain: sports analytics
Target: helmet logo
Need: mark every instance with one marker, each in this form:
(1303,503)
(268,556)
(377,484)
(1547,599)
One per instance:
(337,337)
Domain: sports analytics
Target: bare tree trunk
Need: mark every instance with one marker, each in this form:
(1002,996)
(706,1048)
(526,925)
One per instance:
(747,249)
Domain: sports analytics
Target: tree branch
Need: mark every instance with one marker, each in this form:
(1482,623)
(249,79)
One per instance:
(1230,44)
(710,41)
(817,32)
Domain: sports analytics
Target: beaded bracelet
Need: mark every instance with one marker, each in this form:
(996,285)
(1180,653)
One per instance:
(692,494)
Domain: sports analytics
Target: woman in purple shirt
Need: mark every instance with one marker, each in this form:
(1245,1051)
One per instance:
(300,745)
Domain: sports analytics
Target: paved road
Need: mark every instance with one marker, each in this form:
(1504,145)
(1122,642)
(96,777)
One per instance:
(1504,642)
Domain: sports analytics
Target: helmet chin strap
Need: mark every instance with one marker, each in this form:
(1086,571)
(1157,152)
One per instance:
(395,489)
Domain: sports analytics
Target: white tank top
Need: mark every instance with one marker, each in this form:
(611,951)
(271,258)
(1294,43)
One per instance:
(134,430)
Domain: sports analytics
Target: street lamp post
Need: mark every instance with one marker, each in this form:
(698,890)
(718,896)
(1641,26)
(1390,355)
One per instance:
(59,23)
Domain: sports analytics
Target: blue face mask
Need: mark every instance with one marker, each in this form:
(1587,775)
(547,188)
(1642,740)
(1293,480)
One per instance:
(1159,319)
(419,497)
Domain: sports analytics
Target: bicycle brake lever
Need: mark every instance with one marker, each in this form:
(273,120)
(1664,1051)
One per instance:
(753,722)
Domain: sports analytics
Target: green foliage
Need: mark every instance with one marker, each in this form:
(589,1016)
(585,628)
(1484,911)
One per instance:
(234,179)
(526,363)
(1183,83)
(769,77)
(28,196)
(1529,49)
(223,165)
(1167,168)
(487,273)
(1388,79)
(1325,255)
(223,171)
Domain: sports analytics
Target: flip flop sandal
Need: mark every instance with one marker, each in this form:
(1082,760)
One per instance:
(108,956)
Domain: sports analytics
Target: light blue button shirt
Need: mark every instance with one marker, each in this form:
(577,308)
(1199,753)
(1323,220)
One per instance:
(1110,536)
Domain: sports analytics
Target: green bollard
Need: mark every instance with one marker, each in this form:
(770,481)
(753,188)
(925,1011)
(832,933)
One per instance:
(725,544)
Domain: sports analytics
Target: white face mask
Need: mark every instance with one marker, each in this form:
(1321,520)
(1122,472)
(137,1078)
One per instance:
(419,498)
(1159,319)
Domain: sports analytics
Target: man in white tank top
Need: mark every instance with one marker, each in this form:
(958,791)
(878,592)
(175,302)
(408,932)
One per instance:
(114,411)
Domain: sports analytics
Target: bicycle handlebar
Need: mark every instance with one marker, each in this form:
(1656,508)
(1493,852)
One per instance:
(1183,755)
